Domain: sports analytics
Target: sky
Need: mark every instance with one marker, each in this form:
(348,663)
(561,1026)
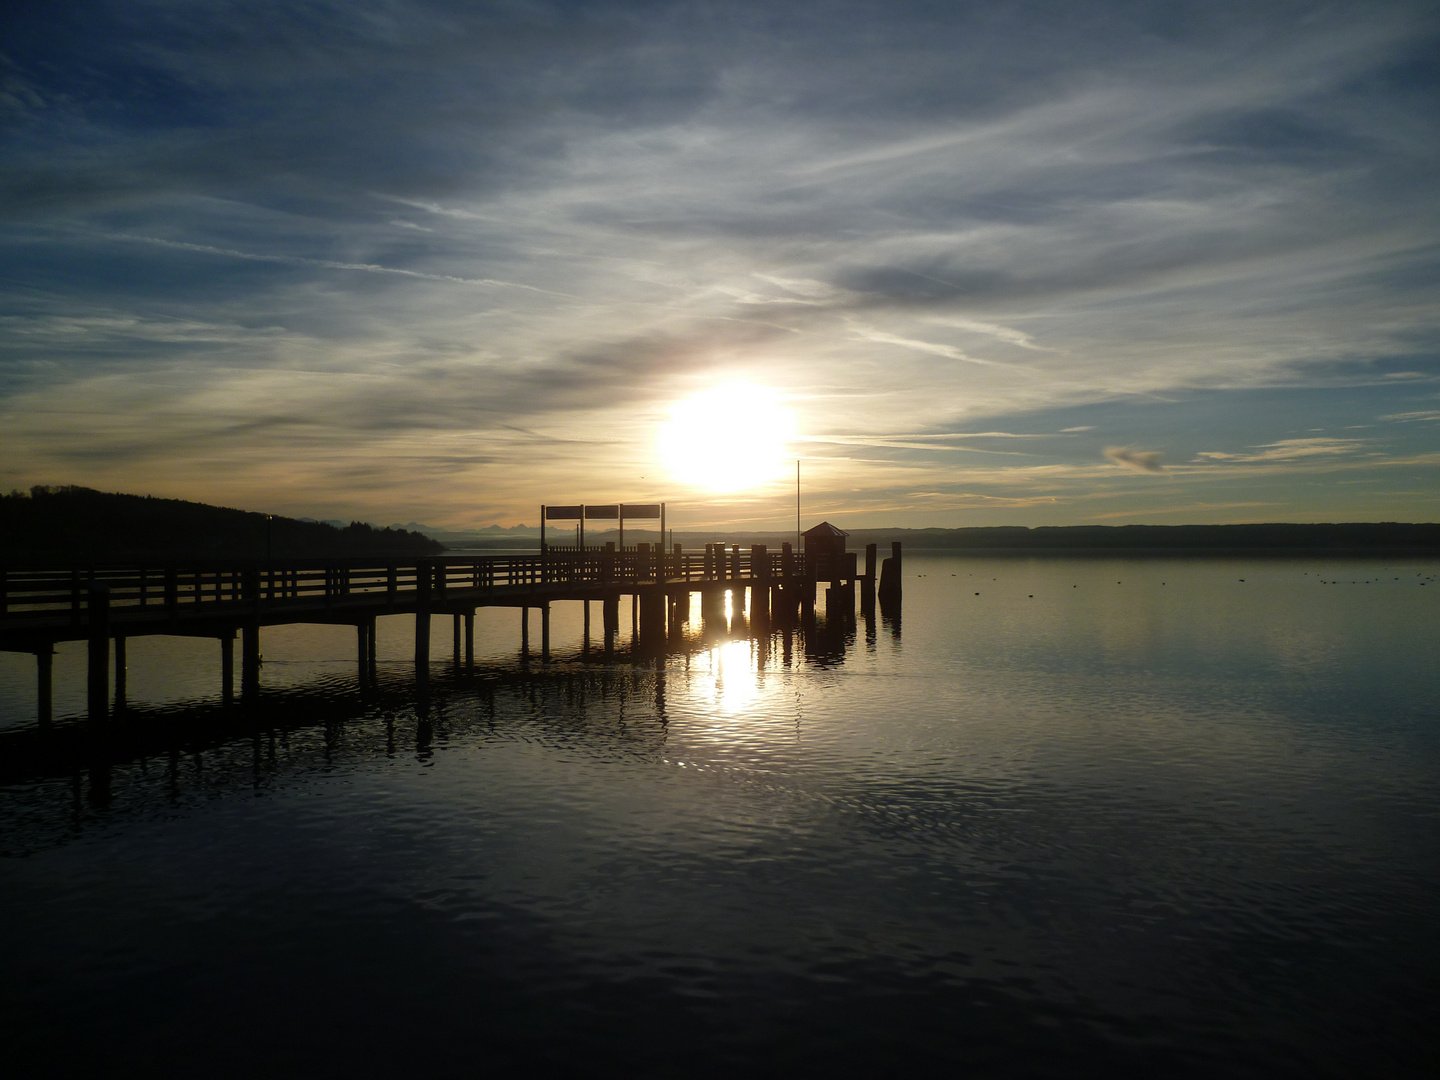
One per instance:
(1002,263)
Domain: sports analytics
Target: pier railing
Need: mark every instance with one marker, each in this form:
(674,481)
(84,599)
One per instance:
(185,587)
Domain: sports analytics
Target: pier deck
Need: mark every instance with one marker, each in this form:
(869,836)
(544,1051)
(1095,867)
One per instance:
(101,604)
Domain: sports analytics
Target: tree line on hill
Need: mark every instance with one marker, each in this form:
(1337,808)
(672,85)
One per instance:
(1380,536)
(66,524)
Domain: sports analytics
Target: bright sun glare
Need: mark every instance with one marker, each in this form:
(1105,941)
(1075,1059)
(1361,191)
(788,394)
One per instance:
(729,438)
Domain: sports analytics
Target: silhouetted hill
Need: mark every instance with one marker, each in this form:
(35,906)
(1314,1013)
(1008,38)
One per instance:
(63,524)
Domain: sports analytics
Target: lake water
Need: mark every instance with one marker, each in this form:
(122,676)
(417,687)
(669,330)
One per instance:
(1065,817)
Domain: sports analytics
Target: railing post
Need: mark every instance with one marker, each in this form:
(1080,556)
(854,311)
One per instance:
(250,592)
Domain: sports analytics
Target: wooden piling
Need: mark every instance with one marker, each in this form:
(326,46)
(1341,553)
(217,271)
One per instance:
(249,662)
(227,668)
(545,633)
(469,640)
(890,571)
(45,677)
(422,621)
(120,671)
(98,684)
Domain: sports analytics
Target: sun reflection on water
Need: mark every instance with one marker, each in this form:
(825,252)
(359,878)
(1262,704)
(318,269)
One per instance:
(734,687)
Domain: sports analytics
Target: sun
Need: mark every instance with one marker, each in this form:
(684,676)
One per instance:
(728,438)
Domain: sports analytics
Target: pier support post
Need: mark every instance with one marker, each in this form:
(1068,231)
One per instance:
(362,652)
(545,632)
(890,575)
(760,584)
(456,629)
(45,677)
(610,620)
(227,668)
(470,641)
(98,685)
(525,633)
(249,662)
(585,647)
(422,622)
(652,616)
(120,688)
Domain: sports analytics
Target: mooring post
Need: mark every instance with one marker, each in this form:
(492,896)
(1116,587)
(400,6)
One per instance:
(525,633)
(890,575)
(44,672)
(249,662)
(760,583)
(422,621)
(545,632)
(610,619)
(227,668)
(99,670)
(652,616)
(470,640)
(119,671)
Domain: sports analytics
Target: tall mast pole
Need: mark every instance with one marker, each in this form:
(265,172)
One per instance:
(797,504)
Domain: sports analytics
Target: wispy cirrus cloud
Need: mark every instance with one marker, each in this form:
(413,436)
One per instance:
(1288,450)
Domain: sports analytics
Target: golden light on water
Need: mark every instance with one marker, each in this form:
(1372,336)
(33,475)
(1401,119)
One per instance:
(728,438)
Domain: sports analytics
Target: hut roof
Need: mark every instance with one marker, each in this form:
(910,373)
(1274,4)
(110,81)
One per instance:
(825,531)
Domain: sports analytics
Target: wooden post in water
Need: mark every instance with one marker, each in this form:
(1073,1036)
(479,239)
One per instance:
(456,627)
(470,640)
(610,619)
(867,584)
(545,632)
(98,685)
(525,633)
(362,653)
(120,689)
(890,575)
(422,622)
(44,672)
(249,662)
(227,668)
(760,583)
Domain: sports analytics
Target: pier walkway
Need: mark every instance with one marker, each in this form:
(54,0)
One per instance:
(105,604)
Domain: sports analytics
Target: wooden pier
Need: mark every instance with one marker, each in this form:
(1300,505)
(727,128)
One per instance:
(107,604)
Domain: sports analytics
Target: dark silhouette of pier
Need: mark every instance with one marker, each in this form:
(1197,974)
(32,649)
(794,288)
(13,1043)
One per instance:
(107,604)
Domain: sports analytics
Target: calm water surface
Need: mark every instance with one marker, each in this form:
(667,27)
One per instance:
(1066,816)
